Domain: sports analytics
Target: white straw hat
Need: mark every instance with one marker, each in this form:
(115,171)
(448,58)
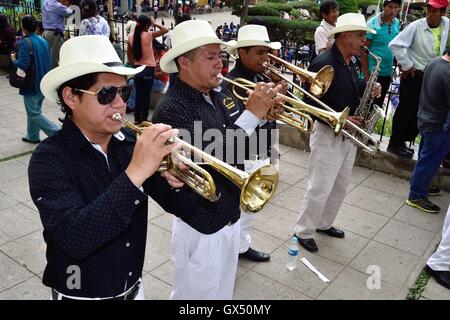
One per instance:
(185,37)
(252,35)
(350,22)
(83,55)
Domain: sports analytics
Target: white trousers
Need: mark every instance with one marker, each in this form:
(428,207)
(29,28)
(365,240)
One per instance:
(329,171)
(247,218)
(440,260)
(205,264)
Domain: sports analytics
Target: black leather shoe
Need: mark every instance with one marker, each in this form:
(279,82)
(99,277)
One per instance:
(29,141)
(253,255)
(308,244)
(333,232)
(441,277)
(400,151)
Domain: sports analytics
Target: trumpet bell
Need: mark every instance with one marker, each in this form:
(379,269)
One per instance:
(259,187)
(321,82)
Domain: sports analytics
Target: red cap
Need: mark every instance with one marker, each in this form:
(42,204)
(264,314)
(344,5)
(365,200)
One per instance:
(438,4)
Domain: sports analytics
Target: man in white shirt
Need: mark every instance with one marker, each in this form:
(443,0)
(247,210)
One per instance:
(419,43)
(329,11)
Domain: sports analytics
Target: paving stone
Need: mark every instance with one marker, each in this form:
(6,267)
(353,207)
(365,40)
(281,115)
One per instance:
(12,169)
(374,200)
(154,209)
(290,199)
(158,247)
(303,184)
(359,221)
(301,279)
(418,218)
(359,174)
(296,157)
(342,251)
(277,221)
(435,291)
(31,289)
(18,221)
(6,201)
(164,272)
(164,221)
(282,186)
(291,174)
(259,287)
(352,285)
(387,183)
(261,241)
(394,265)
(28,251)
(11,273)
(17,189)
(155,289)
(405,237)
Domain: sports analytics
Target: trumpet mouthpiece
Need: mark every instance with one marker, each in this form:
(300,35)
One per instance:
(117,116)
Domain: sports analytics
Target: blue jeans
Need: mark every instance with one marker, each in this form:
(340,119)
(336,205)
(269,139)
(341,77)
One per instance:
(433,149)
(143,82)
(36,121)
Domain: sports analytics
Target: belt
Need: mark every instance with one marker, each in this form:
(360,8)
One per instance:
(130,295)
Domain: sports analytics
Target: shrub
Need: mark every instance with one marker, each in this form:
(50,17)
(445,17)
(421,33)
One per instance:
(346,6)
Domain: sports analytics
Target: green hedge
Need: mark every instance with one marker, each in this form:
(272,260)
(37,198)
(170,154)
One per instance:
(262,11)
(296,31)
(276,6)
(276,1)
(346,6)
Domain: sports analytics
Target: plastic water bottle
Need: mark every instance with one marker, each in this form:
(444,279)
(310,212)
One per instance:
(293,254)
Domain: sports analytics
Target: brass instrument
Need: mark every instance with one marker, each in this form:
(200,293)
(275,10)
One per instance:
(336,120)
(319,82)
(256,188)
(365,137)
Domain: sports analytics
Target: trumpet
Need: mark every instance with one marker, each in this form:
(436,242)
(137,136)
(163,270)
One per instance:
(319,82)
(336,120)
(256,188)
(363,134)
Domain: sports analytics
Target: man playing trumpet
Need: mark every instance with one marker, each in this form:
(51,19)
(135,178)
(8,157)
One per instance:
(332,157)
(252,49)
(205,238)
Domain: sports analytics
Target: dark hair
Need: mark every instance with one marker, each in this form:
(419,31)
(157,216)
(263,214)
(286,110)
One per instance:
(386,2)
(29,23)
(182,18)
(158,46)
(3,22)
(83,82)
(89,8)
(328,5)
(258,21)
(143,23)
(190,55)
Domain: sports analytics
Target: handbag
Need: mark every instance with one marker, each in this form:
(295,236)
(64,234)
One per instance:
(26,82)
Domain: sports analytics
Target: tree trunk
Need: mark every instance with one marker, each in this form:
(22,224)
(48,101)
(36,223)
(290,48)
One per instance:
(244,13)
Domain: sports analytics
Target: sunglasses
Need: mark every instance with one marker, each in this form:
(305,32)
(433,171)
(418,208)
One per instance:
(106,95)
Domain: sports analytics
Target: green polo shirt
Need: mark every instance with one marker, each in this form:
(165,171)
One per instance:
(380,41)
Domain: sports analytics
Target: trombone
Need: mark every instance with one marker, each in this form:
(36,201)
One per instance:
(320,81)
(336,120)
(256,188)
(353,126)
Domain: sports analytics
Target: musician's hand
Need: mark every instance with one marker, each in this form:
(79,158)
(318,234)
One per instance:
(149,151)
(376,92)
(274,112)
(411,72)
(173,181)
(262,98)
(284,87)
(359,121)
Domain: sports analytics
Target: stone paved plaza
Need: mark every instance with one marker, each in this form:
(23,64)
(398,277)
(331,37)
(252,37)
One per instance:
(380,231)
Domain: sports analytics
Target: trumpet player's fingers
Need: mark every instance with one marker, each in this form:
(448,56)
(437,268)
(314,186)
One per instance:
(357,120)
(163,136)
(173,181)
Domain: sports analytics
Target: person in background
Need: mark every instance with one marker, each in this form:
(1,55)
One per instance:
(7,36)
(33,98)
(413,48)
(329,12)
(53,15)
(92,22)
(161,77)
(140,52)
(387,27)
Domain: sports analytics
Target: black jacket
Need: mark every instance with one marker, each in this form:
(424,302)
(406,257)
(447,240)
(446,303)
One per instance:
(186,108)
(262,136)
